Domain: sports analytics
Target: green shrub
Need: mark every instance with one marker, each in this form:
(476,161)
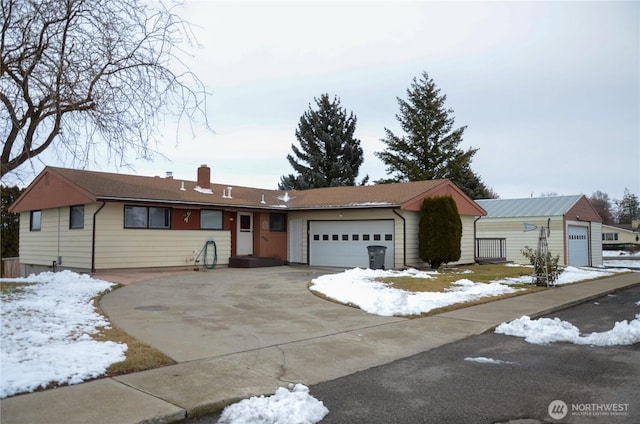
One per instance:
(536,258)
(440,231)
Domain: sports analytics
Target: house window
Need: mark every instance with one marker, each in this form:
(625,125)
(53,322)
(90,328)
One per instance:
(159,218)
(36,221)
(135,217)
(210,220)
(147,217)
(76,217)
(278,222)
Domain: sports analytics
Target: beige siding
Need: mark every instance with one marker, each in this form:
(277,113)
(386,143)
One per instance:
(517,239)
(55,240)
(119,247)
(596,243)
(594,231)
(467,243)
(623,236)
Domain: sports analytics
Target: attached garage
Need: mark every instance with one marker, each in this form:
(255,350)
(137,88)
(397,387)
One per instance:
(344,243)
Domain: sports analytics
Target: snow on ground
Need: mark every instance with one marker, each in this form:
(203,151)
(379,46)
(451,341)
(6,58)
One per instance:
(485,360)
(621,259)
(548,330)
(47,324)
(358,287)
(292,406)
(618,253)
(46,332)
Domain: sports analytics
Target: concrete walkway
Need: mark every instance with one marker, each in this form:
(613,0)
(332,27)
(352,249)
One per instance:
(305,340)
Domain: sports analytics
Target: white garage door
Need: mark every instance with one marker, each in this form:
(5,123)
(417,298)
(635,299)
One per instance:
(344,243)
(578,245)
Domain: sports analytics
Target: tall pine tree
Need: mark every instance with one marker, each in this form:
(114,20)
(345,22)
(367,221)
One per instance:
(328,155)
(430,147)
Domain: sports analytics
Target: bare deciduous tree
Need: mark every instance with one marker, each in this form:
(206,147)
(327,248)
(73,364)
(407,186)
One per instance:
(78,73)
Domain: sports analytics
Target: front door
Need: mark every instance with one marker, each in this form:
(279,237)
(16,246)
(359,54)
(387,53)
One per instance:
(245,234)
(295,240)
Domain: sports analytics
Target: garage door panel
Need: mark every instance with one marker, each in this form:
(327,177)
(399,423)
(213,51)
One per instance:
(578,245)
(344,243)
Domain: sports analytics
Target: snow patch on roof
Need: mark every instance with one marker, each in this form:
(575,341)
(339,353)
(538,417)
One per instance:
(203,190)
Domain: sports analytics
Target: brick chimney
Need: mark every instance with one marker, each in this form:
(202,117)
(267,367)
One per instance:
(204,176)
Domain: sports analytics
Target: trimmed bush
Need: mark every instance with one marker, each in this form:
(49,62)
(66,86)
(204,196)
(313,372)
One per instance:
(440,231)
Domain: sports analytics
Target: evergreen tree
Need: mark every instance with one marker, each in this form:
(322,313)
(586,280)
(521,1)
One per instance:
(328,155)
(430,147)
(439,231)
(10,222)
(628,208)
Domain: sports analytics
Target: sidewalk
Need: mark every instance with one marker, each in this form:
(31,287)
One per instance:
(202,386)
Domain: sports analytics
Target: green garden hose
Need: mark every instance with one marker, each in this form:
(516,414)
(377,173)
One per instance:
(213,264)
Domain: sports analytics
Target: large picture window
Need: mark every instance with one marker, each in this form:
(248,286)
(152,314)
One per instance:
(76,217)
(210,220)
(36,221)
(147,217)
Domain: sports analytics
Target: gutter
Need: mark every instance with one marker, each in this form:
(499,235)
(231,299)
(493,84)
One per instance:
(404,237)
(475,241)
(271,207)
(93,239)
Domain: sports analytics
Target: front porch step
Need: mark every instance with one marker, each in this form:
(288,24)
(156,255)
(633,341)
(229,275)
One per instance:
(253,262)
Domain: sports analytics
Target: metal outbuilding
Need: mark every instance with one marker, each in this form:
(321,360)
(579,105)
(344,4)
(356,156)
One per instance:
(573,224)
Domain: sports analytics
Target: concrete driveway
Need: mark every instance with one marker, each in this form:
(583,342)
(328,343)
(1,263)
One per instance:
(206,314)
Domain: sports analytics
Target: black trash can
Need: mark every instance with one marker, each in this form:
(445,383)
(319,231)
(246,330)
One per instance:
(376,256)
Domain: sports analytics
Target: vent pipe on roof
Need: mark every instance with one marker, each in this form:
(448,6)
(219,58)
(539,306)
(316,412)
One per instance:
(262,201)
(182,186)
(204,176)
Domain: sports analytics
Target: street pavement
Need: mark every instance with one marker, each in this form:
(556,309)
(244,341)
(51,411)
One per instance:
(440,386)
(239,333)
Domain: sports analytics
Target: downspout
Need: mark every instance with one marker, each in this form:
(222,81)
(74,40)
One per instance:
(404,238)
(475,241)
(93,239)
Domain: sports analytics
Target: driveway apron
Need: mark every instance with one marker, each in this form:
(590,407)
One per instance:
(208,314)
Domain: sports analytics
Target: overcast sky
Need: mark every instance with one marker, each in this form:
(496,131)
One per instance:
(550,92)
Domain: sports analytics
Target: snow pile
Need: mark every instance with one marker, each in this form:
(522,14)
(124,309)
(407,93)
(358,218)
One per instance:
(547,330)
(46,332)
(293,406)
(485,360)
(570,274)
(617,253)
(358,287)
